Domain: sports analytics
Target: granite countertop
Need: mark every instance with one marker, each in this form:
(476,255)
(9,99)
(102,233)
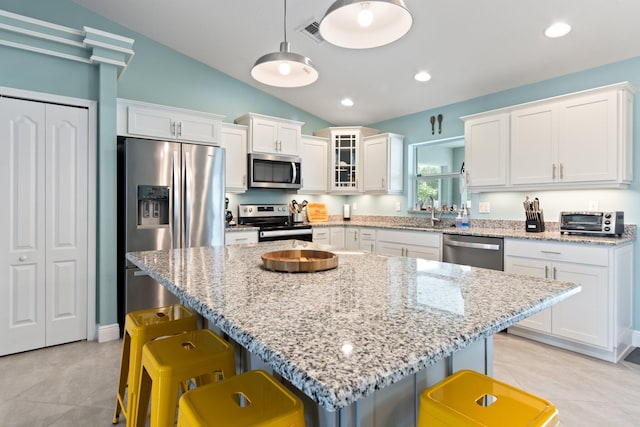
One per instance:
(487,228)
(340,335)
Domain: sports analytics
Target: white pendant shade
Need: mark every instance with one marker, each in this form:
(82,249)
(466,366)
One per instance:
(284,69)
(360,24)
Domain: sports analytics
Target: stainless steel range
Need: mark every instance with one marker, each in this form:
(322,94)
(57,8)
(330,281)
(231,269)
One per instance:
(274,221)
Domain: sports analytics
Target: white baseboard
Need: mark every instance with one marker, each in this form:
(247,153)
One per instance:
(109,333)
(635,338)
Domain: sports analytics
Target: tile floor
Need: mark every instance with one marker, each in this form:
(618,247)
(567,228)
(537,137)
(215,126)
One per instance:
(74,384)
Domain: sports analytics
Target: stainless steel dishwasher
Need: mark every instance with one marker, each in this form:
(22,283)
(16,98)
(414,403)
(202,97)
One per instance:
(476,251)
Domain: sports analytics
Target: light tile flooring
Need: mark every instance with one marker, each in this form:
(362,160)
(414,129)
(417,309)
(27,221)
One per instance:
(74,384)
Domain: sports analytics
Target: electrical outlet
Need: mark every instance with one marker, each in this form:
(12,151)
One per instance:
(397,206)
(593,205)
(354,206)
(484,207)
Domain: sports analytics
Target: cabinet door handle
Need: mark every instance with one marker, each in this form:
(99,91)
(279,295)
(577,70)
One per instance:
(244,180)
(551,252)
(561,171)
(372,247)
(173,128)
(180,128)
(22,258)
(553,171)
(546,271)
(555,273)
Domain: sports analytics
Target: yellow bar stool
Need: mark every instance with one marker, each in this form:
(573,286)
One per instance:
(250,399)
(168,363)
(470,399)
(140,327)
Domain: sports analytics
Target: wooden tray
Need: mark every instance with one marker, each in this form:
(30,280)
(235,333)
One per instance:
(317,212)
(299,260)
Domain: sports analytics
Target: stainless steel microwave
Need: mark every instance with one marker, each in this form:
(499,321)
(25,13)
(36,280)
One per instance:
(274,171)
(599,222)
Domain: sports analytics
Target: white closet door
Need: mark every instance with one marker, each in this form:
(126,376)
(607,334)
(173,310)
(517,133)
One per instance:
(22,222)
(66,224)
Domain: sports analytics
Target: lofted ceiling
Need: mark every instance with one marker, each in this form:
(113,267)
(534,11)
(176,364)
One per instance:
(471,48)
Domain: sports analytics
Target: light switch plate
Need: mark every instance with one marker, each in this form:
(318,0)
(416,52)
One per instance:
(484,207)
(397,206)
(593,205)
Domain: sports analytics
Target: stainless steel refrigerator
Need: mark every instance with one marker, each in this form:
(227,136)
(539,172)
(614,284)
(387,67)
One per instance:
(170,195)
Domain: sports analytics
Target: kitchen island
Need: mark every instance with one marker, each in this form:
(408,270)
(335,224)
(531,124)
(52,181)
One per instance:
(361,341)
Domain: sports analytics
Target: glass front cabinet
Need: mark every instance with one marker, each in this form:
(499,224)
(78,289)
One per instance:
(345,157)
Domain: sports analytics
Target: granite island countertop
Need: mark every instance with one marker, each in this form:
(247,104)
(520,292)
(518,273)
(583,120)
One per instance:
(340,335)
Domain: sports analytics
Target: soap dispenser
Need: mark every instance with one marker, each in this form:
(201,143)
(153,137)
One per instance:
(459,220)
(465,218)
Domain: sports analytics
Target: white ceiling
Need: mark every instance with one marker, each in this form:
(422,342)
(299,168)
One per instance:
(470,47)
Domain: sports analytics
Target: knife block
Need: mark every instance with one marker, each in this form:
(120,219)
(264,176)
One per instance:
(535,225)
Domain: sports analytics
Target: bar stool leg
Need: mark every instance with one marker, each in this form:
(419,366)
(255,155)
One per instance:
(124,375)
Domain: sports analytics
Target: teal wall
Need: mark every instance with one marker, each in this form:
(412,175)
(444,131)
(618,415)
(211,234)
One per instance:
(160,75)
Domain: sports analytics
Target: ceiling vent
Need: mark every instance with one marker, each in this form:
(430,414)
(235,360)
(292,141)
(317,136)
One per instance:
(312,30)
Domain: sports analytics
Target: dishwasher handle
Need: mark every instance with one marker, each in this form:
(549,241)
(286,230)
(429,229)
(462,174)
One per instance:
(472,245)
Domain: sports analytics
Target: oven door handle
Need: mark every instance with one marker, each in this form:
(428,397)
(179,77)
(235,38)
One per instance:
(285,233)
(295,172)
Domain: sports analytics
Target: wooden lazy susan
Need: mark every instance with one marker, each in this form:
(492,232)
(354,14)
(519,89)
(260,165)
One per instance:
(299,260)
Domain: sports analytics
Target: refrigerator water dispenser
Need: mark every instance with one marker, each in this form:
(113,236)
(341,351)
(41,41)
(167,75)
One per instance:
(153,205)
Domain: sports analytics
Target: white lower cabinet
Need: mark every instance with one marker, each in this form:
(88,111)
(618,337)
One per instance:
(414,244)
(367,240)
(333,236)
(598,320)
(238,237)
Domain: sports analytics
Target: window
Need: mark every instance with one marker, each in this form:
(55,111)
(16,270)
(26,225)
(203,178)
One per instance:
(435,169)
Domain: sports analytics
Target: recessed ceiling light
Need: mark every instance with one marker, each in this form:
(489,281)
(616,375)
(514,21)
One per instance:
(422,76)
(347,102)
(558,29)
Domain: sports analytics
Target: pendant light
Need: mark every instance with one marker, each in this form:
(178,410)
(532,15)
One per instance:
(284,68)
(358,24)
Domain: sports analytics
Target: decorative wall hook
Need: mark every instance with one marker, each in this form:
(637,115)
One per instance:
(433,122)
(439,123)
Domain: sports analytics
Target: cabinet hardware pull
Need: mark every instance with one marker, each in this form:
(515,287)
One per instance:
(561,171)
(551,252)
(22,258)
(546,271)
(555,273)
(553,171)
(173,128)
(180,128)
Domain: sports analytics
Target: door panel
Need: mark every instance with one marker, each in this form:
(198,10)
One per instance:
(66,224)
(203,195)
(22,255)
(536,268)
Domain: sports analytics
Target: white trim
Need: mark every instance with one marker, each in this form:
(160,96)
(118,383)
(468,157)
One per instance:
(108,46)
(40,35)
(103,60)
(109,333)
(92,141)
(108,35)
(45,51)
(42,23)
(635,338)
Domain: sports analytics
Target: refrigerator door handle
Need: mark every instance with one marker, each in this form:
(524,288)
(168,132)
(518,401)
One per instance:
(175,177)
(295,172)
(187,200)
(139,273)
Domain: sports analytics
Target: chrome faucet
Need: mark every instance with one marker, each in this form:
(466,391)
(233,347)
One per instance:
(430,207)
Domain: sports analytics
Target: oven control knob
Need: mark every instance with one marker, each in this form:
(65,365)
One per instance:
(607,229)
(607,215)
(607,222)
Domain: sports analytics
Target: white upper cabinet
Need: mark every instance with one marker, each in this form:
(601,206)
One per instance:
(382,163)
(573,142)
(580,140)
(345,170)
(234,141)
(314,165)
(272,135)
(141,119)
(486,150)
